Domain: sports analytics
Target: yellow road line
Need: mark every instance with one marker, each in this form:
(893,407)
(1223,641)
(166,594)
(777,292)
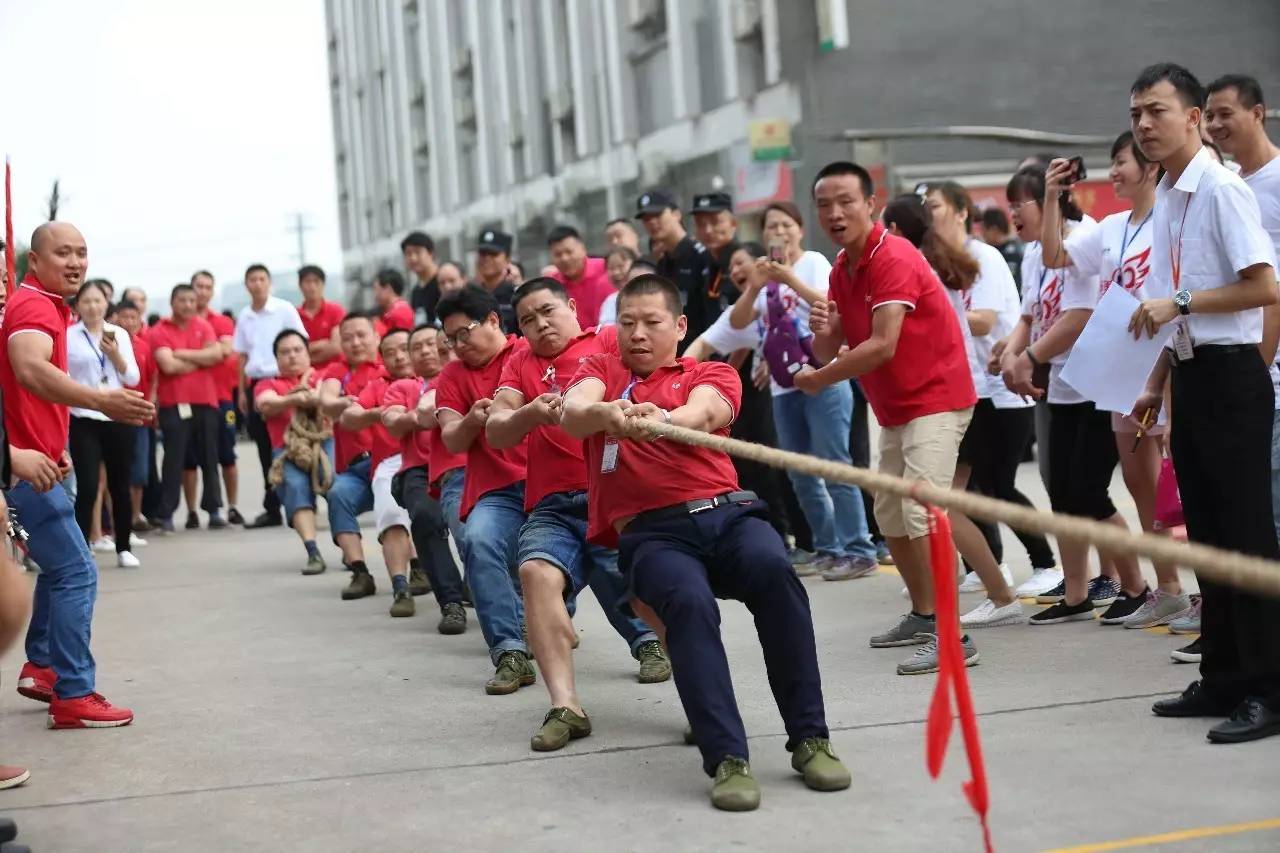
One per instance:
(1170,837)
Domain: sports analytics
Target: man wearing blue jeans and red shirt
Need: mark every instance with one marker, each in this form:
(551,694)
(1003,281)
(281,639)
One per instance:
(690,536)
(554,557)
(38,395)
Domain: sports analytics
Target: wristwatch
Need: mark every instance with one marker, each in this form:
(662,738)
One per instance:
(1183,300)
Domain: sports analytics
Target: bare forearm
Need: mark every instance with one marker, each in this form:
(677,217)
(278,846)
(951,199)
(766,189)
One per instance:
(49,383)
(323,350)
(508,427)
(826,345)
(459,435)
(583,419)
(1051,251)
(356,418)
(743,313)
(1250,292)
(402,424)
(1062,334)
(860,360)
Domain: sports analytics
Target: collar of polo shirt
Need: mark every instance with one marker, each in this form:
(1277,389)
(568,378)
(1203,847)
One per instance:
(1190,177)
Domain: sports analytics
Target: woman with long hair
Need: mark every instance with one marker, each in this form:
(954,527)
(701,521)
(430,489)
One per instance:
(617,265)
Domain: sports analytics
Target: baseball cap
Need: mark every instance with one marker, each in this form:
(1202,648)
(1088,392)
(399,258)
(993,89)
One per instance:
(495,241)
(712,202)
(655,201)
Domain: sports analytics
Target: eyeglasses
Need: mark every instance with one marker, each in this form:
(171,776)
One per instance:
(461,336)
(1015,206)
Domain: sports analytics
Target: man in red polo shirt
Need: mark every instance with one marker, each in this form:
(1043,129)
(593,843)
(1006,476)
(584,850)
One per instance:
(188,352)
(554,558)
(492,502)
(394,312)
(585,279)
(320,318)
(907,350)
(38,394)
(226,379)
(687,535)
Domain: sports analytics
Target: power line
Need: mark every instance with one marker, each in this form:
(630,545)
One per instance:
(300,229)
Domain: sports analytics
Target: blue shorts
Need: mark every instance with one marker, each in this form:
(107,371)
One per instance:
(296,492)
(556,531)
(226,439)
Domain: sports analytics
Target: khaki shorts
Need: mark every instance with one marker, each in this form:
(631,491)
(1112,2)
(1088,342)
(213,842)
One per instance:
(923,449)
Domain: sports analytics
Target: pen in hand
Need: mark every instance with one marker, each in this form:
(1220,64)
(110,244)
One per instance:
(1143,425)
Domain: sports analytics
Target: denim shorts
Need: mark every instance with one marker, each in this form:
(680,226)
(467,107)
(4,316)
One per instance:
(296,492)
(556,531)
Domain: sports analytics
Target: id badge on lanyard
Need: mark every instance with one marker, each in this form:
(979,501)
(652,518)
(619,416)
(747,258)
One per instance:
(609,459)
(1183,343)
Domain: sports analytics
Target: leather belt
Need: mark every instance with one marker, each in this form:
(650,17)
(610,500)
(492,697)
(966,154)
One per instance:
(695,506)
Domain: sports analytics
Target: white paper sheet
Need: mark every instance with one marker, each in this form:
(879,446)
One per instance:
(1106,364)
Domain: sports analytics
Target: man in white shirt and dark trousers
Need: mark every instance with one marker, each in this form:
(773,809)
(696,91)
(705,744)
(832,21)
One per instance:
(1212,256)
(256,328)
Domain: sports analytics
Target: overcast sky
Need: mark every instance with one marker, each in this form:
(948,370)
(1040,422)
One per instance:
(185,133)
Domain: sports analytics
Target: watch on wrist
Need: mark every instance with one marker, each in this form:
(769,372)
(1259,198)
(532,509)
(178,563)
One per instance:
(1182,299)
(666,416)
(1035,362)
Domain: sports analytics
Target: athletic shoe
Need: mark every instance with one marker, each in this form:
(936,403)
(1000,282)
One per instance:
(1103,590)
(166,527)
(234,516)
(1123,607)
(1054,595)
(735,789)
(883,556)
(12,777)
(512,672)
(193,521)
(136,541)
(1189,653)
(925,659)
(851,568)
(973,583)
(105,544)
(217,522)
(559,727)
(822,769)
(142,525)
(911,630)
(361,585)
(1160,608)
(418,583)
(816,566)
(87,712)
(315,565)
(654,665)
(453,619)
(402,604)
(1041,581)
(987,615)
(1063,612)
(266,519)
(800,557)
(1189,623)
(36,682)
(126,560)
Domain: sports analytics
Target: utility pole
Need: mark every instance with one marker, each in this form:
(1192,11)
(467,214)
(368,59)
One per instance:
(300,229)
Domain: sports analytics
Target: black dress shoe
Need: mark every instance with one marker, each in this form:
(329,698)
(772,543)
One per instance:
(1251,720)
(1194,702)
(266,519)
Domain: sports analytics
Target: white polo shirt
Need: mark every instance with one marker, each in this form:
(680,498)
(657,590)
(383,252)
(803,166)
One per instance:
(1265,183)
(1211,216)
(256,334)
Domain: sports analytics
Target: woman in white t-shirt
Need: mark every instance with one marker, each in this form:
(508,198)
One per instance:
(617,265)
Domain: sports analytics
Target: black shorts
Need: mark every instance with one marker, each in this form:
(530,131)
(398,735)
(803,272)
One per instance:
(1082,458)
(226,439)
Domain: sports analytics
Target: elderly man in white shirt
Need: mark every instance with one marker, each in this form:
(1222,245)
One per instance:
(1213,272)
(257,326)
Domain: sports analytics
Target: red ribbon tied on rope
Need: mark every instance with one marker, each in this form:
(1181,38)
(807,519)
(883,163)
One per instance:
(953,679)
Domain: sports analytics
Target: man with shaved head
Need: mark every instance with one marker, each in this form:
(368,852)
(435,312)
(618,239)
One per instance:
(38,394)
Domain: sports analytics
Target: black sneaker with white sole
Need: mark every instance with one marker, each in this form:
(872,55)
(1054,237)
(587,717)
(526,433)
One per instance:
(1189,653)
(1054,595)
(1063,612)
(1123,607)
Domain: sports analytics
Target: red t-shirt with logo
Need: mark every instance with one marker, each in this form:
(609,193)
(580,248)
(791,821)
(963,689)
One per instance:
(457,388)
(398,316)
(346,444)
(384,444)
(556,462)
(929,372)
(282,385)
(30,422)
(441,460)
(588,291)
(320,326)
(653,474)
(197,388)
(226,376)
(415,445)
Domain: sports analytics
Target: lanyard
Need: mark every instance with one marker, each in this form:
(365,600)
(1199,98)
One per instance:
(626,392)
(102,357)
(1126,241)
(1175,261)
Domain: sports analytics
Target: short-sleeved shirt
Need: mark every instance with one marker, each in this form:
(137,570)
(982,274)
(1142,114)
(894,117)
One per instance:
(441,459)
(147,369)
(197,388)
(31,422)
(347,445)
(320,326)
(415,445)
(384,444)
(555,457)
(1046,295)
(588,291)
(1265,183)
(457,389)
(651,475)
(993,290)
(226,376)
(256,333)
(282,385)
(398,316)
(1118,251)
(690,266)
(929,372)
(423,298)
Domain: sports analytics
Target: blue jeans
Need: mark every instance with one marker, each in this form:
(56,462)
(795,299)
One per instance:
(1275,470)
(493,531)
(66,587)
(296,492)
(819,425)
(556,532)
(349,496)
(141,468)
(451,504)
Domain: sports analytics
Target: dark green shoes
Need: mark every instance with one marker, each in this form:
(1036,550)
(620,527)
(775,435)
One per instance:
(361,585)
(655,667)
(402,604)
(513,672)
(315,565)
(453,619)
(418,583)
(735,789)
(814,759)
(559,727)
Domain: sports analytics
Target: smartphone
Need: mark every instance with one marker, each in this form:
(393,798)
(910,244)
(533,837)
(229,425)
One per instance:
(777,251)
(1078,172)
(109,335)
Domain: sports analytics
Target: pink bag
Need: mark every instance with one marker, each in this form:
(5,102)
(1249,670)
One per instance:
(1168,499)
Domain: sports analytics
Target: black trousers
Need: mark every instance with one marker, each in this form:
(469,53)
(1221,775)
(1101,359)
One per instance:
(1221,441)
(860,453)
(95,443)
(179,433)
(430,535)
(262,440)
(152,496)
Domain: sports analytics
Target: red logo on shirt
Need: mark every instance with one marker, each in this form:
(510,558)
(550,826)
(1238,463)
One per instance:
(1133,274)
(1050,304)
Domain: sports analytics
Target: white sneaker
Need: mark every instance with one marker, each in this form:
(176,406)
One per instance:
(987,615)
(137,541)
(972,583)
(106,543)
(126,560)
(1040,582)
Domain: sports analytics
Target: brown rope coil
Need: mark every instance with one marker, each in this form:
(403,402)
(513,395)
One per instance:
(304,440)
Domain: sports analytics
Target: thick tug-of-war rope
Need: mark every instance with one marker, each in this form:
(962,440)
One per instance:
(304,439)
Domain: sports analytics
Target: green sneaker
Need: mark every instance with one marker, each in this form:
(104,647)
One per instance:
(817,761)
(558,728)
(418,583)
(361,585)
(315,565)
(654,665)
(513,672)
(735,789)
(453,619)
(402,604)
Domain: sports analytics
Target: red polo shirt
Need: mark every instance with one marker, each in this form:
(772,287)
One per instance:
(30,422)
(440,460)
(320,326)
(196,388)
(556,462)
(398,316)
(226,376)
(282,385)
(147,369)
(384,445)
(588,291)
(929,371)
(415,445)
(650,475)
(346,444)
(457,388)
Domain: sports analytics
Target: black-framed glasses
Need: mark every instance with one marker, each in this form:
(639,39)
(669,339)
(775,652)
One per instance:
(462,335)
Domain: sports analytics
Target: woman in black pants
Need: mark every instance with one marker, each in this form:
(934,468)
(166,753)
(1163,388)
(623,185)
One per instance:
(100,355)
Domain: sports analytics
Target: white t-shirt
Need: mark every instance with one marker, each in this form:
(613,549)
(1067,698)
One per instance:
(89,366)
(958,304)
(993,290)
(608,311)
(1265,183)
(1098,251)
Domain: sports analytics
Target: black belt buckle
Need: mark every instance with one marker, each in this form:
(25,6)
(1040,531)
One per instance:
(358,458)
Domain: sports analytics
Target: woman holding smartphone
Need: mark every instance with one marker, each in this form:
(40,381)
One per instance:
(100,355)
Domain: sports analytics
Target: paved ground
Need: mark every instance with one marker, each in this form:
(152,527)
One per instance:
(273,716)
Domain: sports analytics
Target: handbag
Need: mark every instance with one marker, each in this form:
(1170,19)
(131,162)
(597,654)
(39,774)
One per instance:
(1168,510)
(785,351)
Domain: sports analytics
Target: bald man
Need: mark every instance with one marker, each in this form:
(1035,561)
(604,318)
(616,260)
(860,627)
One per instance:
(38,393)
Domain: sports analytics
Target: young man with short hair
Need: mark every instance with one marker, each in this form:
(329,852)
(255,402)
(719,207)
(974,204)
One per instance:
(395,313)
(492,499)
(555,560)
(1221,395)
(495,273)
(687,535)
(681,259)
(419,253)
(226,378)
(320,318)
(584,279)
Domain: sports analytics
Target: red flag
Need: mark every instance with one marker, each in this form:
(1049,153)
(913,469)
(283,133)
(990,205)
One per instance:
(10,263)
(953,680)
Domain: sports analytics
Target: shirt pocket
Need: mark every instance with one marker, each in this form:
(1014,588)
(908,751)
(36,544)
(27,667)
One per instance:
(1199,263)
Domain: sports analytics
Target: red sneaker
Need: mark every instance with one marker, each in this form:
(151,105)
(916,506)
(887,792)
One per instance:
(87,712)
(36,682)
(12,777)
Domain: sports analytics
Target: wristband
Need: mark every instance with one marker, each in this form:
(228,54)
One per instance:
(1035,362)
